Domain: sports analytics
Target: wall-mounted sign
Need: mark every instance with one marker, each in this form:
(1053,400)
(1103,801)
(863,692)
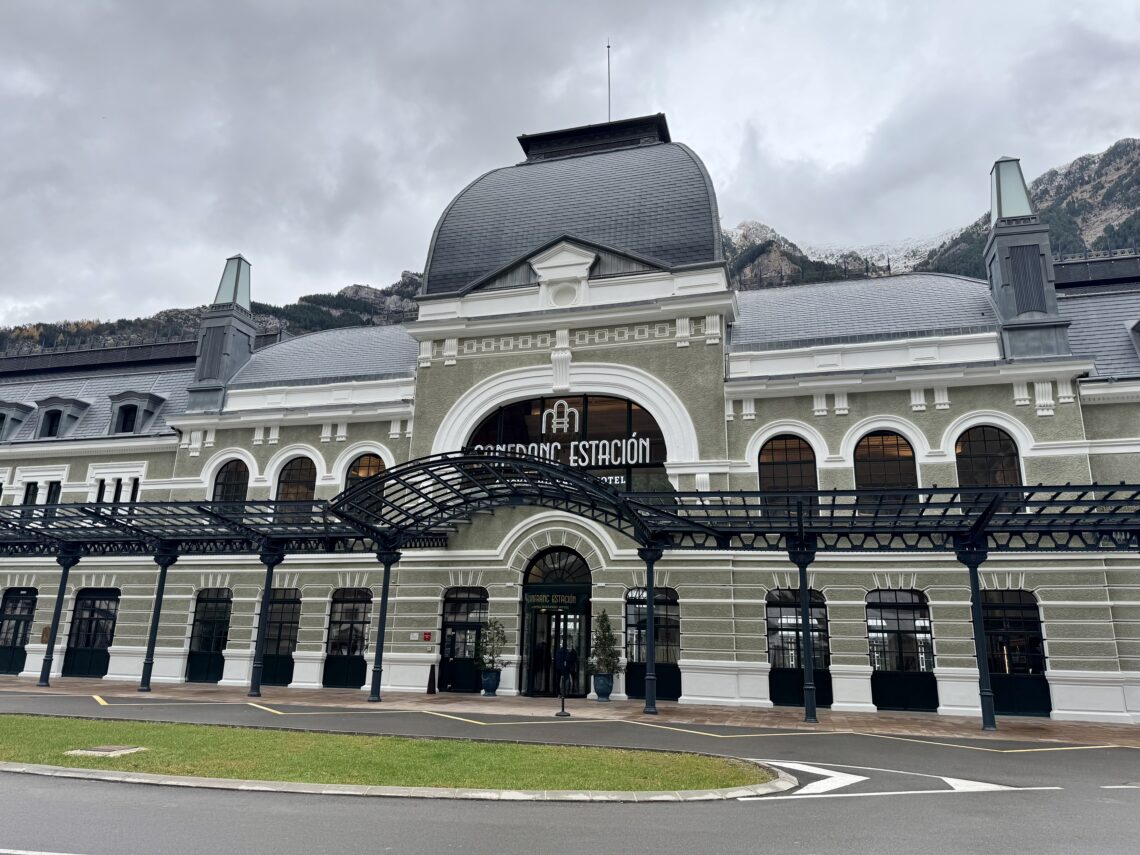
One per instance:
(613,438)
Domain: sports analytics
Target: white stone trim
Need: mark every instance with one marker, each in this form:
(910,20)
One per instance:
(221,458)
(801,429)
(339,470)
(732,684)
(1094,695)
(916,438)
(284,455)
(587,378)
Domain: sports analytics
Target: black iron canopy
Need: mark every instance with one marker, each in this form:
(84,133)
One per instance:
(422,501)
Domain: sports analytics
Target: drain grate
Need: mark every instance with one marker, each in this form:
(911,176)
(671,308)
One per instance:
(105,751)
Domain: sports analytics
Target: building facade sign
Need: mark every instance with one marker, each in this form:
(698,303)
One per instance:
(613,438)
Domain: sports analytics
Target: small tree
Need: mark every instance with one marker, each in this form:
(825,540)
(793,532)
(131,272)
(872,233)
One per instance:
(490,645)
(605,657)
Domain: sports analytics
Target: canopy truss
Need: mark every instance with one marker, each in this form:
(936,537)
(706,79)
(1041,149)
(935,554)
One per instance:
(421,502)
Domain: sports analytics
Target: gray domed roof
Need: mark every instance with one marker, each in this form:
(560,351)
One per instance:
(352,353)
(654,201)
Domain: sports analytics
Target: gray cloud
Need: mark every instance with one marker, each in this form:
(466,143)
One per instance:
(142,143)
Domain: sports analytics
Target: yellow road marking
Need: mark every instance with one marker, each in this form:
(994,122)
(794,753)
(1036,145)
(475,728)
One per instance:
(100,701)
(266,709)
(991,750)
(454,717)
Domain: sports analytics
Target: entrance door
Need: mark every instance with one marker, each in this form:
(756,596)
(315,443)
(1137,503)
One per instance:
(349,616)
(464,613)
(556,616)
(16,613)
(92,631)
(1016,651)
(555,630)
(666,642)
(902,651)
(785,648)
(206,660)
(281,637)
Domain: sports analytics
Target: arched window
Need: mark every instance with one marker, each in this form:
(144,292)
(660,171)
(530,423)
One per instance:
(558,567)
(785,639)
(365,466)
(787,462)
(884,459)
(298,481)
(231,482)
(1015,648)
(898,628)
(986,456)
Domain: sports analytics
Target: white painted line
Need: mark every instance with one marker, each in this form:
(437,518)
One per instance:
(891,793)
(832,780)
(964,786)
(31,852)
(1121,787)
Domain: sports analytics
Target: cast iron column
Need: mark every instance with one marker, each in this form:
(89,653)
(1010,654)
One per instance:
(270,558)
(66,559)
(802,554)
(650,555)
(972,557)
(387,558)
(163,558)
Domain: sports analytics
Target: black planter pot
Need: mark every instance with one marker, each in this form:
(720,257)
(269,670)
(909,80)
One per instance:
(491,682)
(603,685)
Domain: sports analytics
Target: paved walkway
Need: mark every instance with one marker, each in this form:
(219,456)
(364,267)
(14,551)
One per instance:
(928,725)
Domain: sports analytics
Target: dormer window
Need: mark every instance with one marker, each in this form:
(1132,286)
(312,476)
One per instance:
(50,423)
(59,415)
(12,415)
(132,412)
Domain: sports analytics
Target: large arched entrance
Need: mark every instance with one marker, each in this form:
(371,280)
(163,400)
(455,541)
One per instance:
(556,615)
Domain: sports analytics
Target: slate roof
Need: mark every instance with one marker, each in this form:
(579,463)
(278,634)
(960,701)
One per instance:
(1100,328)
(910,304)
(352,353)
(652,200)
(95,389)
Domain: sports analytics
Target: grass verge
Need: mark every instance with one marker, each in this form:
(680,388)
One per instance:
(323,758)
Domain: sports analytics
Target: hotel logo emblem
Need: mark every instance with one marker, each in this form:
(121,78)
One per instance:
(559,416)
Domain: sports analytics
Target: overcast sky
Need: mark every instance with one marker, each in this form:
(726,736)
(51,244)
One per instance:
(143,142)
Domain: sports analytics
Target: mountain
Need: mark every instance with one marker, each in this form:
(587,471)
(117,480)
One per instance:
(353,306)
(1092,203)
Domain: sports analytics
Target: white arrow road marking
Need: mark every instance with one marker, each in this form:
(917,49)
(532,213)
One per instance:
(837,780)
(832,780)
(964,786)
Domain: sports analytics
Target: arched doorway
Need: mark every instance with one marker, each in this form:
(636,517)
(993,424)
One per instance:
(556,615)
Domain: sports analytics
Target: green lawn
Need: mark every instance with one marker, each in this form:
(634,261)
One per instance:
(231,752)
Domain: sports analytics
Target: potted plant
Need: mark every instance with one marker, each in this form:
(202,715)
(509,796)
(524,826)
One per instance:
(489,655)
(605,659)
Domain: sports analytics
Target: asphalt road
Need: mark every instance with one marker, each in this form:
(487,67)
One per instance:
(858,793)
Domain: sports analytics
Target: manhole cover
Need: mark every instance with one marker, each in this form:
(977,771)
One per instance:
(105,751)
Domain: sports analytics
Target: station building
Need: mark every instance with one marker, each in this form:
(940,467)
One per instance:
(577,306)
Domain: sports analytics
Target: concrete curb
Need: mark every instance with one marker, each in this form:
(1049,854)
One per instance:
(782,782)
